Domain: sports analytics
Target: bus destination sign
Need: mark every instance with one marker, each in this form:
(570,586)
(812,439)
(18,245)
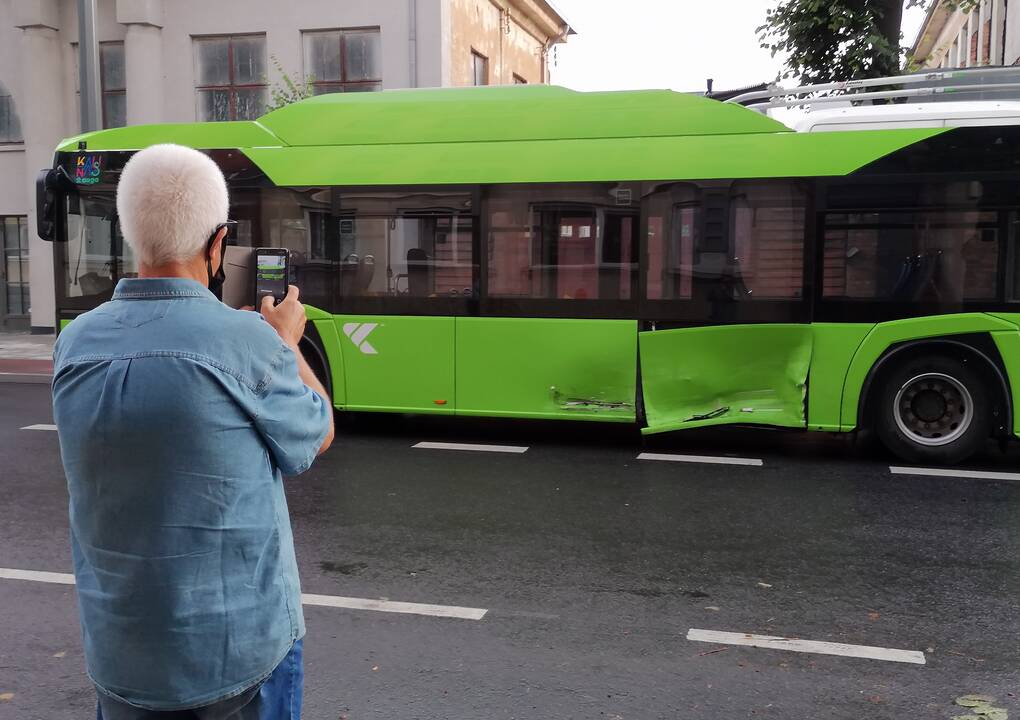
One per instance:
(87,169)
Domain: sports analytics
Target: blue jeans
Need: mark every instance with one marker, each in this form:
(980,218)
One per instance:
(278,697)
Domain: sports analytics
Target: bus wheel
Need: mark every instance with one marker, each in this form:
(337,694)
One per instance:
(933,409)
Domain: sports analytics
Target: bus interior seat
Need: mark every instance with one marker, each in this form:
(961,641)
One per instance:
(93,283)
(365,273)
(418,273)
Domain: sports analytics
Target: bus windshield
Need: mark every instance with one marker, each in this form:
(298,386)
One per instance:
(96,255)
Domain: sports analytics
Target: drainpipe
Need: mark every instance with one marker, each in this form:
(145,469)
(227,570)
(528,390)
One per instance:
(412,42)
(88,67)
(547,46)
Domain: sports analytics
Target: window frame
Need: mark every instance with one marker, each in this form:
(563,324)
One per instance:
(103,90)
(475,56)
(232,87)
(343,84)
(14,114)
(24,260)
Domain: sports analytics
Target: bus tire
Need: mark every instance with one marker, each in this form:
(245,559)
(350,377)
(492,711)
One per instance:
(317,362)
(933,409)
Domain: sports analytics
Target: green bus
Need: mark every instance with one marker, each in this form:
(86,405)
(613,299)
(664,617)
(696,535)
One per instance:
(643,257)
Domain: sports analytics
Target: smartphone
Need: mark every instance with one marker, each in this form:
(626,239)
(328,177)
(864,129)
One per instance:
(271,273)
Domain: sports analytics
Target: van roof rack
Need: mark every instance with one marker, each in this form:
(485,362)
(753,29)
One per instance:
(942,82)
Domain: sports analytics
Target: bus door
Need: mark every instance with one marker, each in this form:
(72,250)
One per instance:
(726,337)
(406,270)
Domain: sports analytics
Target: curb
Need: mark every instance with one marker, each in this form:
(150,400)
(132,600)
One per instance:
(28,378)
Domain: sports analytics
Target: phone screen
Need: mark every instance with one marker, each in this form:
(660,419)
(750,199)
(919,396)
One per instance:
(270,275)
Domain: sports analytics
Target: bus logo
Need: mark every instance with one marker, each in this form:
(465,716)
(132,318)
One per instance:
(358,333)
(87,169)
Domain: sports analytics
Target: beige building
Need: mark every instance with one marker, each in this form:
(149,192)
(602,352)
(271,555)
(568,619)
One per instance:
(988,34)
(197,60)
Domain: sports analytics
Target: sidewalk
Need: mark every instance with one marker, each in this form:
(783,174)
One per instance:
(26,358)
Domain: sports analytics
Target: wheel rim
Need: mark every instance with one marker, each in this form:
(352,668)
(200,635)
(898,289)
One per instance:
(933,409)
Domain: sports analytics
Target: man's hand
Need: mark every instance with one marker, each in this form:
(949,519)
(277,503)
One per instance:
(287,318)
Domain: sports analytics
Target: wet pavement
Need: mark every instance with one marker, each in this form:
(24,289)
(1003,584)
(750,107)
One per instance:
(592,567)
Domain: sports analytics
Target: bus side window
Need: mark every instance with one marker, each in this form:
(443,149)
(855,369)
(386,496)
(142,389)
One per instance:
(570,241)
(912,256)
(673,228)
(406,243)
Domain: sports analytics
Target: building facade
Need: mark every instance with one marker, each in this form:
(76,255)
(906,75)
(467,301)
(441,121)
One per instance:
(983,33)
(194,60)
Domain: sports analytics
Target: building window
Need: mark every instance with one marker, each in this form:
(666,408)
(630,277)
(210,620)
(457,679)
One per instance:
(231,73)
(112,83)
(343,60)
(986,49)
(10,126)
(518,80)
(14,270)
(479,69)
(974,48)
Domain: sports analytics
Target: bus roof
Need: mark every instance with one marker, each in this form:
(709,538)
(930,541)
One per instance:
(470,114)
(514,134)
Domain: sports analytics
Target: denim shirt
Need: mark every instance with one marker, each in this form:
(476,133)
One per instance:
(177,418)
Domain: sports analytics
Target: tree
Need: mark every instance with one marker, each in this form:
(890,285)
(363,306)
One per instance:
(288,89)
(831,40)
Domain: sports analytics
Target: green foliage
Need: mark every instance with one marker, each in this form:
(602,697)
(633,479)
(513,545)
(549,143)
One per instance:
(288,89)
(831,40)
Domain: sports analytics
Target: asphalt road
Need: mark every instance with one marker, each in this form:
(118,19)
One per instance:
(592,567)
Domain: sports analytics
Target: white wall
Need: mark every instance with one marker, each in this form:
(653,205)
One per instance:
(13,199)
(1012,46)
(52,112)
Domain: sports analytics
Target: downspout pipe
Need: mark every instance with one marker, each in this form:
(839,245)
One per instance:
(547,46)
(88,67)
(412,43)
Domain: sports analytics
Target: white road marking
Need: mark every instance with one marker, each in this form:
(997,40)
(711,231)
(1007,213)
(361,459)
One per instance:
(470,446)
(712,459)
(37,576)
(406,608)
(39,427)
(807,646)
(447,611)
(951,472)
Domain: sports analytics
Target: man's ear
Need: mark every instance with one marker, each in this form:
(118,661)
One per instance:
(217,244)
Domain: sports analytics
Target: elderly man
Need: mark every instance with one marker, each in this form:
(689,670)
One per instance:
(178,417)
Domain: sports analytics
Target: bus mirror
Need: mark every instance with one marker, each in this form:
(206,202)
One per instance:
(48,187)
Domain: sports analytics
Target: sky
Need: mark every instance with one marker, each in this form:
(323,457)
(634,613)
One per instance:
(674,44)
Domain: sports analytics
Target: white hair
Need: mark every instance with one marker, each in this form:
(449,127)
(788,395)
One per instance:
(170,200)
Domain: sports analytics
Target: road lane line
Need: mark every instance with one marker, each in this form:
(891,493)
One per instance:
(472,447)
(39,427)
(807,646)
(951,472)
(405,608)
(711,459)
(37,576)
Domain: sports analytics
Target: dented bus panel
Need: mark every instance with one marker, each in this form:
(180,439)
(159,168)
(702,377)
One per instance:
(694,377)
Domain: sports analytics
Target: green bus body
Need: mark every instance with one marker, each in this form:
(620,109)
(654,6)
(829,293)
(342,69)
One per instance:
(623,366)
